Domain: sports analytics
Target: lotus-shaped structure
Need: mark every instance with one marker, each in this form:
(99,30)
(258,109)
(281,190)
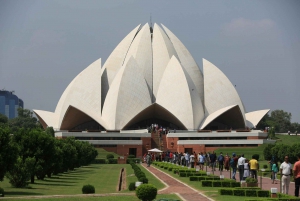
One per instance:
(150,75)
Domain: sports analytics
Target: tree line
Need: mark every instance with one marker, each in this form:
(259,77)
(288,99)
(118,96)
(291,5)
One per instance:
(280,121)
(28,152)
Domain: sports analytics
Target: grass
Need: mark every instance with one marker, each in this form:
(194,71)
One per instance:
(106,198)
(287,139)
(151,179)
(104,177)
(71,183)
(102,153)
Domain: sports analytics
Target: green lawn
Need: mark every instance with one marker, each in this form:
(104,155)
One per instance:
(105,198)
(104,177)
(102,153)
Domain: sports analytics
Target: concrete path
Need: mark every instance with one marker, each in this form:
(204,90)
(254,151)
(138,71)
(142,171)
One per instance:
(185,192)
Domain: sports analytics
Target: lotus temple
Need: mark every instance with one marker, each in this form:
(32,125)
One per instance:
(151,93)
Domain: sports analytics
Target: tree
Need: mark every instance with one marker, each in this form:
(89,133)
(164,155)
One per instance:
(282,120)
(3,118)
(24,120)
(8,151)
(19,174)
(34,143)
(50,131)
(294,127)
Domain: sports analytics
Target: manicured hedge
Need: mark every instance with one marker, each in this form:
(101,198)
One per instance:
(99,161)
(133,160)
(239,192)
(220,183)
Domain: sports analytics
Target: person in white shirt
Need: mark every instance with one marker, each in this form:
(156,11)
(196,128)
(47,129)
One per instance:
(286,172)
(241,162)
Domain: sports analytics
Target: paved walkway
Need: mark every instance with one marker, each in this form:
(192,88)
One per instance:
(185,192)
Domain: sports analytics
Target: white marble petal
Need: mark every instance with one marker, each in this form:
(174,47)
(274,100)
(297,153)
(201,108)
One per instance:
(174,94)
(115,61)
(127,96)
(218,90)
(188,63)
(84,93)
(48,119)
(215,115)
(141,51)
(163,50)
(255,116)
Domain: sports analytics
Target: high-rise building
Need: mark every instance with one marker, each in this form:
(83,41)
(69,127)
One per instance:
(9,104)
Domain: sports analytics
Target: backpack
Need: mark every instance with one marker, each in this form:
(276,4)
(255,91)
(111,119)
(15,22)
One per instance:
(221,158)
(232,163)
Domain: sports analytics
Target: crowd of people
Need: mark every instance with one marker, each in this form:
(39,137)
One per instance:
(246,167)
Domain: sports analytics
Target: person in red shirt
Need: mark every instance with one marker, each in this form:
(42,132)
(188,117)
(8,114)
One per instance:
(296,171)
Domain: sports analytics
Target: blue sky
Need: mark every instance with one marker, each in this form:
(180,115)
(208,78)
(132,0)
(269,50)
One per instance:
(45,44)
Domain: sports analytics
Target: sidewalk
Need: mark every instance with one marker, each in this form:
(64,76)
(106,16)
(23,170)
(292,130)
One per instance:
(185,192)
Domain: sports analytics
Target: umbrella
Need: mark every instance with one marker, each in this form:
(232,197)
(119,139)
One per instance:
(155,150)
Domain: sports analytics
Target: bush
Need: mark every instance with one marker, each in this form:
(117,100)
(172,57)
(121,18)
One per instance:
(251,193)
(182,174)
(223,191)
(194,178)
(133,160)
(146,192)
(131,186)
(226,184)
(217,184)
(112,161)
(143,179)
(88,189)
(131,156)
(263,193)
(251,180)
(265,166)
(235,184)
(207,183)
(99,161)
(239,192)
(108,156)
(1,192)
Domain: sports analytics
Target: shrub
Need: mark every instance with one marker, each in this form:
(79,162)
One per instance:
(131,156)
(265,166)
(1,192)
(263,193)
(143,179)
(170,168)
(239,192)
(251,193)
(131,186)
(251,180)
(201,178)
(146,192)
(207,183)
(235,184)
(182,174)
(133,160)
(226,183)
(88,189)
(112,161)
(193,178)
(99,161)
(223,191)
(217,184)
(108,156)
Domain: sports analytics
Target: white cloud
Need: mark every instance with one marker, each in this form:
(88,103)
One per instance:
(246,27)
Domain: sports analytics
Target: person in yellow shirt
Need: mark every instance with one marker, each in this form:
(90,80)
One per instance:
(253,167)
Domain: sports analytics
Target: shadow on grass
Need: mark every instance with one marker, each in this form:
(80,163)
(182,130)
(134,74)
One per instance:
(59,181)
(45,184)
(91,167)
(21,193)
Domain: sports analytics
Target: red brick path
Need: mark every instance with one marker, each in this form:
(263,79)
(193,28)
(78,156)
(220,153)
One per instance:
(174,186)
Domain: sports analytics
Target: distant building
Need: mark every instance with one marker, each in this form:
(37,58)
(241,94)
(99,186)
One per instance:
(9,104)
